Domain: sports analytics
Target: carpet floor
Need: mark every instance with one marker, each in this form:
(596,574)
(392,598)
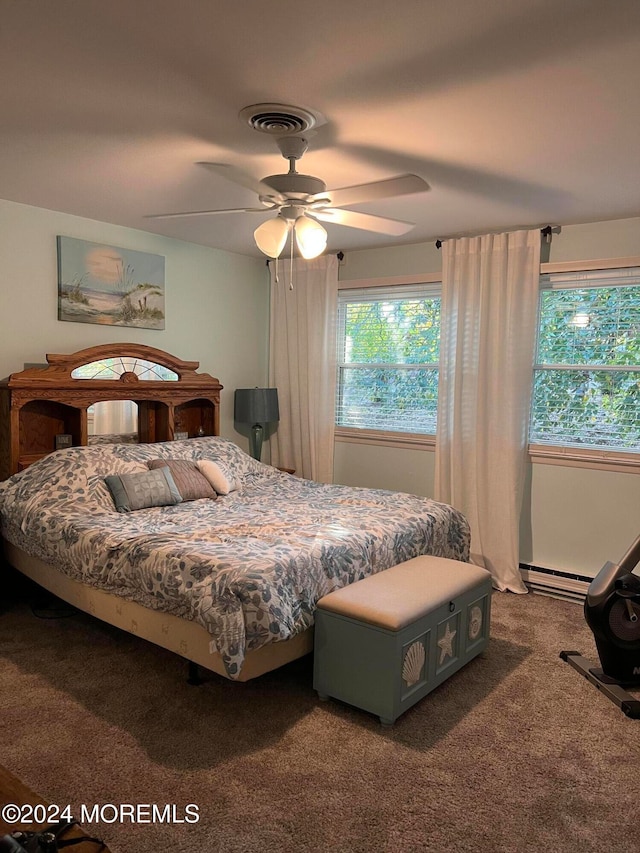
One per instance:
(515,752)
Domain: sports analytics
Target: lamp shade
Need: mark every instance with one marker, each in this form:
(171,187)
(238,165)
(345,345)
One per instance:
(256,405)
(271,236)
(310,237)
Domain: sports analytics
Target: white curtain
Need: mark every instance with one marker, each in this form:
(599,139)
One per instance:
(302,365)
(489,310)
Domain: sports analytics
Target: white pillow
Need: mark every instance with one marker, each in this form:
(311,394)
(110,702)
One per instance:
(217,476)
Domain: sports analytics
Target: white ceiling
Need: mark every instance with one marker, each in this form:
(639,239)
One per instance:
(517,112)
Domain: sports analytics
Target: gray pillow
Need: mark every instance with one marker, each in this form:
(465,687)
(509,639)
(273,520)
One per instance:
(143,490)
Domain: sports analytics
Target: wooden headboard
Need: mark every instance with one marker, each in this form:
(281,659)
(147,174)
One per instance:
(40,403)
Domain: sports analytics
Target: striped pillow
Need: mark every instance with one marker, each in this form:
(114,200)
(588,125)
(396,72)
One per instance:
(191,484)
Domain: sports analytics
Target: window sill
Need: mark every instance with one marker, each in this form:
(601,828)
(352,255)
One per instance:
(539,454)
(406,440)
(578,457)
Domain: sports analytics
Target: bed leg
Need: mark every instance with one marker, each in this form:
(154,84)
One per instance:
(194,674)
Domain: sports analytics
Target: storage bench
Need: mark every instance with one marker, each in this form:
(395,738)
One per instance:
(386,641)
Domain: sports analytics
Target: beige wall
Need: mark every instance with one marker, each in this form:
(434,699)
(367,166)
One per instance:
(217,303)
(618,238)
(379,467)
(414,259)
(573,519)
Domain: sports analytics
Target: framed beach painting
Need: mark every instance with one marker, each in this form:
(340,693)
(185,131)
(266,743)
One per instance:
(111,286)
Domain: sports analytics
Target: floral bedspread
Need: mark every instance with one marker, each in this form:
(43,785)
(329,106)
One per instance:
(249,566)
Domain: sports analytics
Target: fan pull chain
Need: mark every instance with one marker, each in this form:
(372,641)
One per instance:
(291,264)
(276,273)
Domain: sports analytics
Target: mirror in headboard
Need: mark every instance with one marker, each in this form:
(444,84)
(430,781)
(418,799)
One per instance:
(41,403)
(113,422)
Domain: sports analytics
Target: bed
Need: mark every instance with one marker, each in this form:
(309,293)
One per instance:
(247,568)
(229,581)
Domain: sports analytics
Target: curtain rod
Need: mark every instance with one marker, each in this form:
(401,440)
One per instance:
(339,256)
(546,232)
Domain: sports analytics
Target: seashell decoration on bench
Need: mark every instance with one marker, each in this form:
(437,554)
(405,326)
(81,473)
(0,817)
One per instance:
(413,663)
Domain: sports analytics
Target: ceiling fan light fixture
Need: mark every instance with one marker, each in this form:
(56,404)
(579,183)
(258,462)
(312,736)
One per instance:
(311,238)
(271,236)
(300,200)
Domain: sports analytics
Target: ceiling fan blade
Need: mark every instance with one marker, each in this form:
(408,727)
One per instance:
(209,212)
(231,173)
(389,188)
(364,221)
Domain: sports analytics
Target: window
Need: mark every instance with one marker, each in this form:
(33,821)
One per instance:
(388,351)
(586,387)
(113,368)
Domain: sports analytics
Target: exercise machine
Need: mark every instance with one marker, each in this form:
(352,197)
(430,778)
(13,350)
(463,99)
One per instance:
(612,611)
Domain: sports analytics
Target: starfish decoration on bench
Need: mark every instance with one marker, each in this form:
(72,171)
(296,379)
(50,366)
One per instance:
(446,644)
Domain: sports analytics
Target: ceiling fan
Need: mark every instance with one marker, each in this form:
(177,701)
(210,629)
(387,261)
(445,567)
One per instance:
(301,200)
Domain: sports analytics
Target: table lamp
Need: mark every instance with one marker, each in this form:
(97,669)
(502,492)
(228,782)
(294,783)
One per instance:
(256,406)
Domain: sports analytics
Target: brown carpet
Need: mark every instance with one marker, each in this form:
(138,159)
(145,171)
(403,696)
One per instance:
(516,752)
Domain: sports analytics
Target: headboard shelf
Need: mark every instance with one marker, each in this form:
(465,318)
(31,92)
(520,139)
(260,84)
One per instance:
(39,403)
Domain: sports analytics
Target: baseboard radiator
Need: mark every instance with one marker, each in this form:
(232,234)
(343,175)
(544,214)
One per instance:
(555,583)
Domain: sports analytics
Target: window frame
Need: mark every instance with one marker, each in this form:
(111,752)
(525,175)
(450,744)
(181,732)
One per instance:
(573,456)
(388,438)
(547,454)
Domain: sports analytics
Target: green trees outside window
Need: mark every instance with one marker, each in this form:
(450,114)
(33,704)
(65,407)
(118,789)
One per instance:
(388,352)
(586,380)
(586,387)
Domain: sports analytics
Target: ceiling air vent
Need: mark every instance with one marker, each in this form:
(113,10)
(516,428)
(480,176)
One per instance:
(278,119)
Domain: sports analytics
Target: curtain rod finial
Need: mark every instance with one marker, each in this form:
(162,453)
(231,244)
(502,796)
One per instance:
(438,244)
(548,231)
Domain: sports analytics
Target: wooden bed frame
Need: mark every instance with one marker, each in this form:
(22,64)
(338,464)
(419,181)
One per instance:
(185,638)
(37,404)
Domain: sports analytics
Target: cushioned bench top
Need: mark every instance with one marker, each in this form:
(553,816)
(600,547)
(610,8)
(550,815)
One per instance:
(402,594)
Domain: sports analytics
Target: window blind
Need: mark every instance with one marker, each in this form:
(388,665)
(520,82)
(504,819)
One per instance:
(586,387)
(388,351)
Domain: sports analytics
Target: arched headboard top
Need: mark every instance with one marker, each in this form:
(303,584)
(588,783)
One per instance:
(60,366)
(85,356)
